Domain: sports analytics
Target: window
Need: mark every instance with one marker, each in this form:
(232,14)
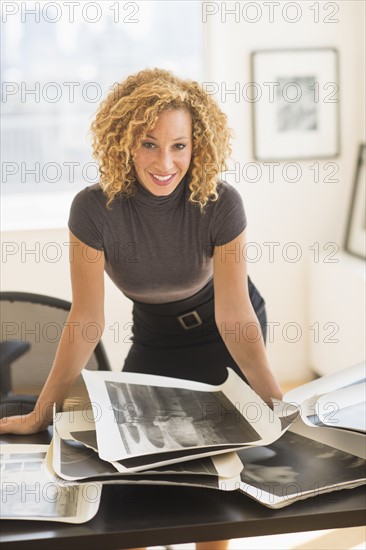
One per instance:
(60,59)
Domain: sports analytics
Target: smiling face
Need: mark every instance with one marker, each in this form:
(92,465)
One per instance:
(164,156)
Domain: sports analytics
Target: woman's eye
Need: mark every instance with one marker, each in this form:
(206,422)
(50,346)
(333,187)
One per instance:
(150,145)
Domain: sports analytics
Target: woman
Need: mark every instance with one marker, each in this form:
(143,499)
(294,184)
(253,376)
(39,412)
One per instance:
(171,237)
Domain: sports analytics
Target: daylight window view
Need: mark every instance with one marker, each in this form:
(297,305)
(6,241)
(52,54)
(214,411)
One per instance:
(55,75)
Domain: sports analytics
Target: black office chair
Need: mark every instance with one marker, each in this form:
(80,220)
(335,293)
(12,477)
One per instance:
(31,326)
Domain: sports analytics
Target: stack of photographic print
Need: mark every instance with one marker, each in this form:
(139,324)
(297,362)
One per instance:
(145,429)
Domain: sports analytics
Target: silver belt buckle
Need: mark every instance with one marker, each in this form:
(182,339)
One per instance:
(183,320)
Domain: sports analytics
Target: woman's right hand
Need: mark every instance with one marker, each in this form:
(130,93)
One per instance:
(22,424)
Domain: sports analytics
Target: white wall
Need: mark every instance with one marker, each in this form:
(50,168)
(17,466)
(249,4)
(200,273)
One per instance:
(306,212)
(38,261)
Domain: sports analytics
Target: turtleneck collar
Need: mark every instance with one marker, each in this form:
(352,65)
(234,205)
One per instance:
(144,196)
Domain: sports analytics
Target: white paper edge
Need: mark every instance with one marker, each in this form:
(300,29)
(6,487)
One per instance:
(326,384)
(234,388)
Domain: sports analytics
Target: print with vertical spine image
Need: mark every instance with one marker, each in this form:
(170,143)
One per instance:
(161,419)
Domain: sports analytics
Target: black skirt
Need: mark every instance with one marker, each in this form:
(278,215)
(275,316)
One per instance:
(180,339)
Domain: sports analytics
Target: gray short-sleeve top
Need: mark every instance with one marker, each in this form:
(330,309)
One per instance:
(157,249)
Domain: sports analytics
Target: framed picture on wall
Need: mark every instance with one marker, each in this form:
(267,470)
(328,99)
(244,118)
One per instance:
(295,104)
(355,242)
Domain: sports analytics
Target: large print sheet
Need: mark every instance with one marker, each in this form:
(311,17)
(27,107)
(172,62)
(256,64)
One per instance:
(336,400)
(296,467)
(139,416)
(75,458)
(74,462)
(28,491)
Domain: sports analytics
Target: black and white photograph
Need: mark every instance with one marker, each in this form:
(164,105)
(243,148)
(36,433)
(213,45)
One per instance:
(87,438)
(79,462)
(76,455)
(72,461)
(153,419)
(144,420)
(296,114)
(295,467)
(28,491)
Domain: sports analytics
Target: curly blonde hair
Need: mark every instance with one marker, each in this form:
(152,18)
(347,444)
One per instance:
(132,108)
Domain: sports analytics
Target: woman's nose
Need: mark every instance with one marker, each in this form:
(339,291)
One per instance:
(165,161)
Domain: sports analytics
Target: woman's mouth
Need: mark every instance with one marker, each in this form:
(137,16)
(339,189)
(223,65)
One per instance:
(162,180)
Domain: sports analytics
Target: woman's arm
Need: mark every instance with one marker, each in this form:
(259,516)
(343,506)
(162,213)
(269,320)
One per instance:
(237,321)
(74,351)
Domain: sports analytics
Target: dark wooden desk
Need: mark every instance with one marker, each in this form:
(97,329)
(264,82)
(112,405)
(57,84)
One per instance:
(132,516)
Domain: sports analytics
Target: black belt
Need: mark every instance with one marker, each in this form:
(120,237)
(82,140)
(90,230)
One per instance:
(189,313)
